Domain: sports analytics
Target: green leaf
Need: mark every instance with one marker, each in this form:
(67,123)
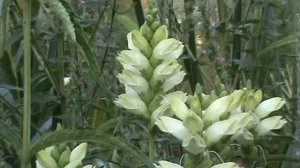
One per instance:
(10,135)
(94,136)
(127,22)
(285,41)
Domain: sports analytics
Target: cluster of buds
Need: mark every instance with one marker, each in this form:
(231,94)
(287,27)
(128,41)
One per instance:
(150,68)
(61,156)
(208,119)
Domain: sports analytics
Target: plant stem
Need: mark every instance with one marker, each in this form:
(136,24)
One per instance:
(151,145)
(27,84)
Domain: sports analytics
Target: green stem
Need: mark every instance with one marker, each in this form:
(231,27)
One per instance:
(27,84)
(151,145)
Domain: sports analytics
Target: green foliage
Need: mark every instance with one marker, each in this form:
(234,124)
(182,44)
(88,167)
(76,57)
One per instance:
(77,51)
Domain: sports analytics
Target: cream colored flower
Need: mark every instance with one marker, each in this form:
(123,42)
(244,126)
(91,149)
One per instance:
(268,106)
(218,130)
(173,126)
(174,80)
(136,59)
(165,164)
(269,124)
(132,102)
(165,50)
(216,109)
(226,165)
(133,80)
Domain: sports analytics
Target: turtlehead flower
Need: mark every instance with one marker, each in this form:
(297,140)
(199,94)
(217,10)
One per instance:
(163,109)
(216,109)
(268,106)
(132,102)
(173,126)
(135,59)
(269,124)
(173,81)
(165,70)
(245,120)
(192,142)
(218,130)
(226,165)
(137,42)
(133,80)
(165,164)
(165,50)
(177,94)
(167,73)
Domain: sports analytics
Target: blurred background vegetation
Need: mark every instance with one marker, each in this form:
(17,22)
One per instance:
(243,42)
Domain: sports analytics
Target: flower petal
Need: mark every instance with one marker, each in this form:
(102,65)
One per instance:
(216,109)
(269,124)
(173,126)
(219,129)
(165,164)
(268,106)
(226,165)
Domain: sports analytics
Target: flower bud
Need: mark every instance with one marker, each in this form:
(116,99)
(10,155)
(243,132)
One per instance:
(250,103)
(205,102)
(258,95)
(146,32)
(179,108)
(44,159)
(165,50)
(149,19)
(154,25)
(64,158)
(195,105)
(237,98)
(268,106)
(198,91)
(137,42)
(269,124)
(160,34)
